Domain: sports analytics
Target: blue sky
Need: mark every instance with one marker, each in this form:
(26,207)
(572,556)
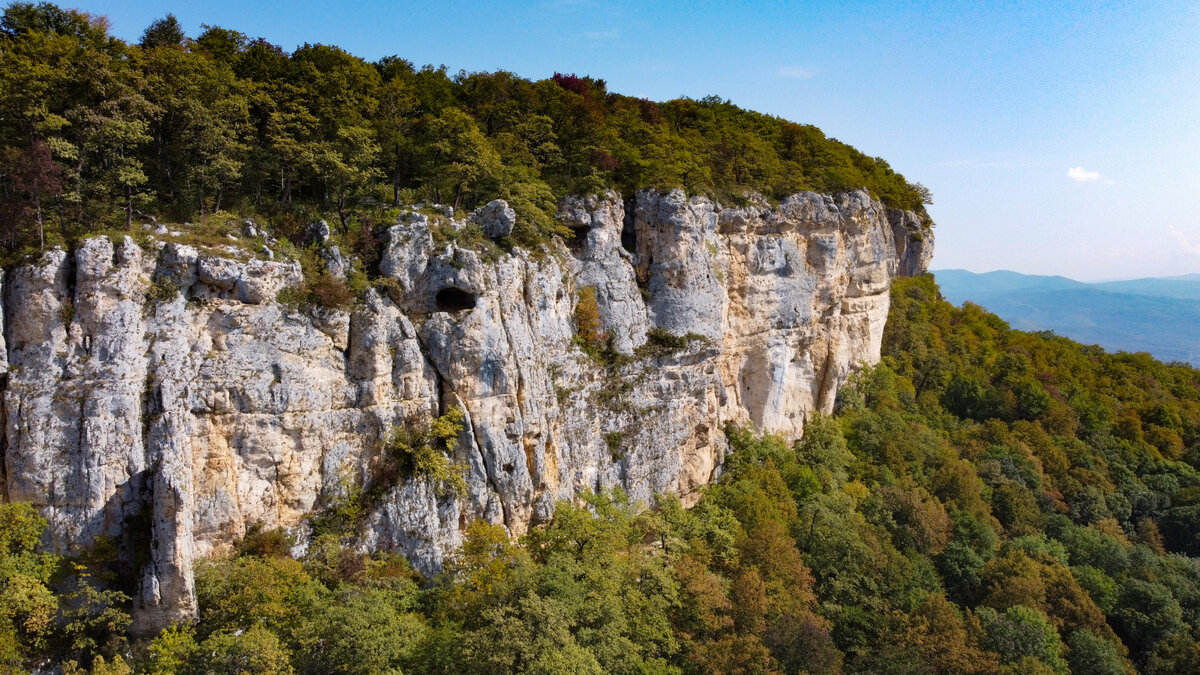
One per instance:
(1056,139)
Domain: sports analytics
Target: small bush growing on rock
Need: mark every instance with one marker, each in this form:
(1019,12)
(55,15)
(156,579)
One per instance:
(414,449)
(614,440)
(164,289)
(320,288)
(343,510)
(470,237)
(587,320)
(328,291)
(660,342)
(264,543)
(67,311)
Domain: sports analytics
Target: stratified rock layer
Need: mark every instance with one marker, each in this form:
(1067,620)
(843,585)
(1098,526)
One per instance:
(201,412)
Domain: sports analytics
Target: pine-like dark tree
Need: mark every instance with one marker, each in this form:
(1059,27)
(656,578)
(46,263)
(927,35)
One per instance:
(165,32)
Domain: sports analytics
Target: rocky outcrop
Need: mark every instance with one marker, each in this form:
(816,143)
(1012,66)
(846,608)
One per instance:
(496,218)
(169,387)
(914,242)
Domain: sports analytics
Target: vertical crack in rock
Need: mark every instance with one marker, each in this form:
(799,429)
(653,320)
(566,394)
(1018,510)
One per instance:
(488,470)
(518,395)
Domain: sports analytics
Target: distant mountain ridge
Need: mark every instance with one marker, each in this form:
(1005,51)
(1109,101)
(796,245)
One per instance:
(1156,315)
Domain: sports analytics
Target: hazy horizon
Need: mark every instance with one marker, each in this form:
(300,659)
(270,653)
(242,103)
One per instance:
(1096,280)
(1055,139)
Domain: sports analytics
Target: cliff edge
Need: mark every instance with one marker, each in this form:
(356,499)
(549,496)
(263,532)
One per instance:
(211,407)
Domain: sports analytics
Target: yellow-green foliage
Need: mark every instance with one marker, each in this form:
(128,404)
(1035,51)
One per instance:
(114,666)
(587,320)
(320,132)
(164,289)
(53,607)
(170,650)
(425,450)
(27,605)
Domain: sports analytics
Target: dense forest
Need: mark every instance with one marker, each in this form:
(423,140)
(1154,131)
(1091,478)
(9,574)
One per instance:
(984,501)
(96,134)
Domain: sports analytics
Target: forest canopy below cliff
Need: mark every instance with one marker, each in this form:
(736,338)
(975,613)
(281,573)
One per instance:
(95,132)
(985,500)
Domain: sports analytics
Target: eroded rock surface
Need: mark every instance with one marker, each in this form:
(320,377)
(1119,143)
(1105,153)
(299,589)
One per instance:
(215,408)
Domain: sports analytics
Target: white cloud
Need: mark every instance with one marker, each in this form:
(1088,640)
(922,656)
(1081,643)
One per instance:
(1184,244)
(1082,175)
(798,72)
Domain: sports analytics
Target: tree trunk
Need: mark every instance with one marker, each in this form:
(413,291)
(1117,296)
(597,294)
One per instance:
(62,216)
(79,190)
(37,204)
(396,179)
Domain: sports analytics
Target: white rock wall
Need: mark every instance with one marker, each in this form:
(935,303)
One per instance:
(221,408)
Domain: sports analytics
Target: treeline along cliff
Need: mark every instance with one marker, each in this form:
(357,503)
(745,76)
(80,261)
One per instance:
(96,132)
(531,290)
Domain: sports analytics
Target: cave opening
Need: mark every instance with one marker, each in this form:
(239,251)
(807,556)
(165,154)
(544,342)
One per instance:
(578,239)
(628,233)
(453,299)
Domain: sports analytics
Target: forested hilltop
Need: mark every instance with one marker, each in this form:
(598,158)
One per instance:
(97,132)
(985,500)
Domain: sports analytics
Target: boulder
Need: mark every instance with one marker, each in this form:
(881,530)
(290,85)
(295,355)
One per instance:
(496,218)
(178,263)
(318,232)
(221,273)
(336,264)
(261,280)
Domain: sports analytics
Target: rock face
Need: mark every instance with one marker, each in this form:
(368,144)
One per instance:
(496,218)
(216,407)
(914,243)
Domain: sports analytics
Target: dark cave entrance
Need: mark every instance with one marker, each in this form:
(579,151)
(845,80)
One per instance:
(628,233)
(453,300)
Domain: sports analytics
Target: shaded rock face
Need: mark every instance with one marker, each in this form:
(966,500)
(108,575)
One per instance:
(200,415)
(914,243)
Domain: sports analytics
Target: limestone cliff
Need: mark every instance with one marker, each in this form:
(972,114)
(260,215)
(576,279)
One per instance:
(200,412)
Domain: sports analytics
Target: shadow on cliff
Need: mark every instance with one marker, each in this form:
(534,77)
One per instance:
(124,556)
